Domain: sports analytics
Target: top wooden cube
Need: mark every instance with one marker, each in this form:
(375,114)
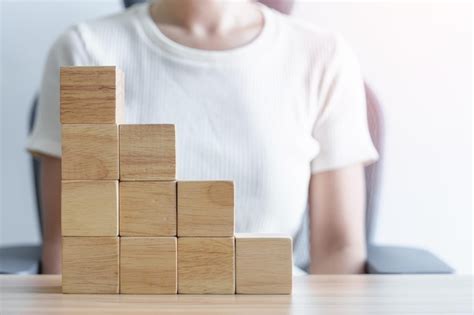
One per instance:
(92,95)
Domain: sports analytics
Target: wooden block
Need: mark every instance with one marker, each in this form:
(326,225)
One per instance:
(90,152)
(92,95)
(148,265)
(90,265)
(89,208)
(206,265)
(148,209)
(206,208)
(263,264)
(147,152)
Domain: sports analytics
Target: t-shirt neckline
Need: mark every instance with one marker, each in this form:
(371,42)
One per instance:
(177,50)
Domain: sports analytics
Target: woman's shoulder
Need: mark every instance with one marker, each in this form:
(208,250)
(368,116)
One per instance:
(108,28)
(101,37)
(114,23)
(311,37)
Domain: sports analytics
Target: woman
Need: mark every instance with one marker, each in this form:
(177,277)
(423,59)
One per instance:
(257,97)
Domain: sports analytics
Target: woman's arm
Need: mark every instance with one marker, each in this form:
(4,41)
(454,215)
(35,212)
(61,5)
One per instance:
(337,221)
(51,205)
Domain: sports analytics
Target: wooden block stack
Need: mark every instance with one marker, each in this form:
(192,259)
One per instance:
(91,103)
(206,237)
(148,246)
(129,227)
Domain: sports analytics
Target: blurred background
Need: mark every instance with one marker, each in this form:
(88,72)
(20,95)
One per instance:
(417,56)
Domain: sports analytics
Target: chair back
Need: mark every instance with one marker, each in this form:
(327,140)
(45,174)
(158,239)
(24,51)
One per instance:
(128,3)
(373,172)
(35,167)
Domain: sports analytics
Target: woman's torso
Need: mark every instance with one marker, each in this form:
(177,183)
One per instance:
(244,115)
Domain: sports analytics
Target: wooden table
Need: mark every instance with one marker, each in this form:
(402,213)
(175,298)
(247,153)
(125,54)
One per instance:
(368,294)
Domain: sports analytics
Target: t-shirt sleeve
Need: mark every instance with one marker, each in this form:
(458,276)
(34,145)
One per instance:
(341,127)
(68,50)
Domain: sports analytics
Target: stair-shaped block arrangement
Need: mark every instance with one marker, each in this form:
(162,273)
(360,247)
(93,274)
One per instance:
(129,226)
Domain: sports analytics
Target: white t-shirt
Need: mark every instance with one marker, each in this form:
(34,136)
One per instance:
(266,115)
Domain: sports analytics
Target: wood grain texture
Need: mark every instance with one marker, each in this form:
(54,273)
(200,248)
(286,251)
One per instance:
(312,294)
(148,208)
(92,95)
(148,265)
(206,265)
(147,152)
(89,208)
(263,264)
(206,208)
(90,152)
(90,265)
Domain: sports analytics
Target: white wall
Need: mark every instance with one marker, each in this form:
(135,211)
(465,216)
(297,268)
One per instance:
(417,57)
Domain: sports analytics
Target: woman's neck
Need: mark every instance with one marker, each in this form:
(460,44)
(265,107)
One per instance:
(212,15)
(208,24)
